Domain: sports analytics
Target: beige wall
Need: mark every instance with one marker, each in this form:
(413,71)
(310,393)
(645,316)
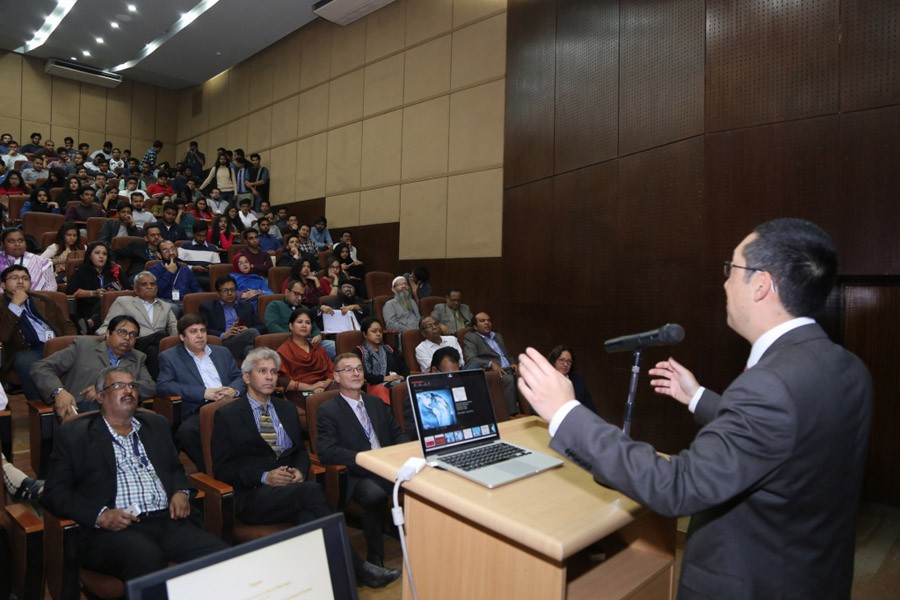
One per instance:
(130,116)
(396,117)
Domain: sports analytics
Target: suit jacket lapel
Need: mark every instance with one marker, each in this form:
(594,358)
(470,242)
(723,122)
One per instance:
(350,415)
(103,353)
(101,437)
(188,361)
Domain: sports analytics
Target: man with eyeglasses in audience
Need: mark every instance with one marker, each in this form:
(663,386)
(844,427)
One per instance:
(82,361)
(27,321)
(237,323)
(117,474)
(354,422)
(43,277)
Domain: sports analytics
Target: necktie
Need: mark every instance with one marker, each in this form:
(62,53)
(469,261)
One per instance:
(267,430)
(367,425)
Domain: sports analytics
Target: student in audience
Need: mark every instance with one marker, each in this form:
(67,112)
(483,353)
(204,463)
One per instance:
(42,274)
(36,171)
(70,193)
(75,163)
(222,233)
(169,226)
(201,210)
(5,139)
(174,279)
(12,155)
(223,177)
(418,283)
(67,245)
(139,252)
(250,286)
(234,220)
(84,210)
(334,277)
(123,226)
(39,201)
(383,368)
(354,272)
(130,186)
(116,164)
(321,236)
(95,276)
(139,214)
(106,151)
(13,185)
(302,272)
(152,152)
(267,242)
(161,186)
(56,178)
(34,146)
(291,254)
(217,204)
(194,159)
(260,261)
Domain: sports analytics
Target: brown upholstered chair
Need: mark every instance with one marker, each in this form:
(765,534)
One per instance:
(25,532)
(347,341)
(427,304)
(263,302)
(120,242)
(193,301)
(15,203)
(411,338)
(234,249)
(496,389)
(277,277)
(54,194)
(379,283)
(271,340)
(61,300)
(36,224)
(216,271)
(461,336)
(71,265)
(108,298)
(398,395)
(324,257)
(93,227)
(334,474)
(6,434)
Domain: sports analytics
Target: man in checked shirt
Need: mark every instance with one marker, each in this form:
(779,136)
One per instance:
(117,474)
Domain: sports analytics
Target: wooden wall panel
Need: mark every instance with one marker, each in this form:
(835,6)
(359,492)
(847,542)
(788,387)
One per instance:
(528,129)
(427,70)
(868,219)
(587,76)
(769,62)
(527,211)
(661,89)
(92,108)
(870,47)
(425,20)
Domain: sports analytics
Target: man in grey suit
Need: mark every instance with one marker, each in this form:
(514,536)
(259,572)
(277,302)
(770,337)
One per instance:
(484,348)
(83,361)
(155,317)
(773,478)
(199,373)
(452,315)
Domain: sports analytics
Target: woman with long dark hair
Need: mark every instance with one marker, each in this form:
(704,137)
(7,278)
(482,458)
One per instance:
(221,233)
(96,275)
(14,185)
(383,370)
(67,245)
(71,192)
(222,176)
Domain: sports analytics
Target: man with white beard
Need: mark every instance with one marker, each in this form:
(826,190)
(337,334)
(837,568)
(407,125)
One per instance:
(401,312)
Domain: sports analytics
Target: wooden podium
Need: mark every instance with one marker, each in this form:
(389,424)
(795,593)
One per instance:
(555,535)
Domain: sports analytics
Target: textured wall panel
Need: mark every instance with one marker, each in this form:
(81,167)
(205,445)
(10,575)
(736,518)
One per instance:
(342,211)
(423,219)
(425,20)
(869,179)
(380,205)
(287,80)
(530,63)
(92,110)
(587,77)
(383,85)
(313,110)
(311,167)
(344,152)
(285,118)
(479,52)
(259,130)
(64,101)
(661,94)
(425,138)
(528,265)
(348,47)
(11,91)
(476,127)
(381,142)
(386,30)
(427,70)
(770,61)
(345,98)
(475,214)
(315,54)
(870,53)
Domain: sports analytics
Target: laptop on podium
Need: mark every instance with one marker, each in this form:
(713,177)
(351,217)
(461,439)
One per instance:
(458,432)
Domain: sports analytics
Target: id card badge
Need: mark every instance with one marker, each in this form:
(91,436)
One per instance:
(176,295)
(49,335)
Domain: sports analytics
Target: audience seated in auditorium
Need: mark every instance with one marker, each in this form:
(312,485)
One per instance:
(174,279)
(96,275)
(260,261)
(418,283)
(41,271)
(484,348)
(121,227)
(221,175)
(267,242)
(346,301)
(169,227)
(401,312)
(139,252)
(321,236)
(383,368)
(452,315)
(305,366)
(432,342)
(67,245)
(250,286)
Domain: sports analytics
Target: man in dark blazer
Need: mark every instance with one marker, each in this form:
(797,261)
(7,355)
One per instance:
(267,464)
(236,323)
(124,226)
(138,252)
(27,320)
(198,372)
(452,315)
(484,348)
(350,423)
(773,478)
(83,360)
(118,475)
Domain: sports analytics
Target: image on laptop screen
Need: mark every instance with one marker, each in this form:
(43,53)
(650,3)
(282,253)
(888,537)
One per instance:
(452,409)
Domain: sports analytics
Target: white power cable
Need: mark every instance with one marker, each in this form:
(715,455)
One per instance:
(409,470)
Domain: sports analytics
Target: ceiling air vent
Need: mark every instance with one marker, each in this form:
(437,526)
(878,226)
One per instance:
(344,12)
(82,73)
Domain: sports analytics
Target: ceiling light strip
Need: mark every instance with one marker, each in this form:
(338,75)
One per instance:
(43,34)
(185,20)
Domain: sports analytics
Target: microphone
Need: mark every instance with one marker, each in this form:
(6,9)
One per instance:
(667,335)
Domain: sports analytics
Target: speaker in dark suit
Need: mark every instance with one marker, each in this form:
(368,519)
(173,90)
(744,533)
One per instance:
(773,478)
(354,422)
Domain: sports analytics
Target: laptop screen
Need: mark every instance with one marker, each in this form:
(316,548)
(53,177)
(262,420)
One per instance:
(452,409)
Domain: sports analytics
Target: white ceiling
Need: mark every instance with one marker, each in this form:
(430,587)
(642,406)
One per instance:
(223,36)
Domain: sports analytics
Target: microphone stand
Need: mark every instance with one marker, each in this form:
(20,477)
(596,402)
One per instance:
(632,390)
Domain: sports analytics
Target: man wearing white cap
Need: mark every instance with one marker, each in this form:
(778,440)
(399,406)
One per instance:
(401,312)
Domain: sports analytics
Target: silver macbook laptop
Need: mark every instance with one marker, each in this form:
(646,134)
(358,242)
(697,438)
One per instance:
(458,430)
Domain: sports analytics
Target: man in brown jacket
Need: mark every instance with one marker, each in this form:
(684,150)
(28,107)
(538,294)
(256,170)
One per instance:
(27,321)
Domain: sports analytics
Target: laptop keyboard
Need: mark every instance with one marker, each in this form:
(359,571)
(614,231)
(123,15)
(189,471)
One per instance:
(483,457)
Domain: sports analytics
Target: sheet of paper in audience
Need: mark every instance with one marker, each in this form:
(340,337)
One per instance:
(273,573)
(336,322)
